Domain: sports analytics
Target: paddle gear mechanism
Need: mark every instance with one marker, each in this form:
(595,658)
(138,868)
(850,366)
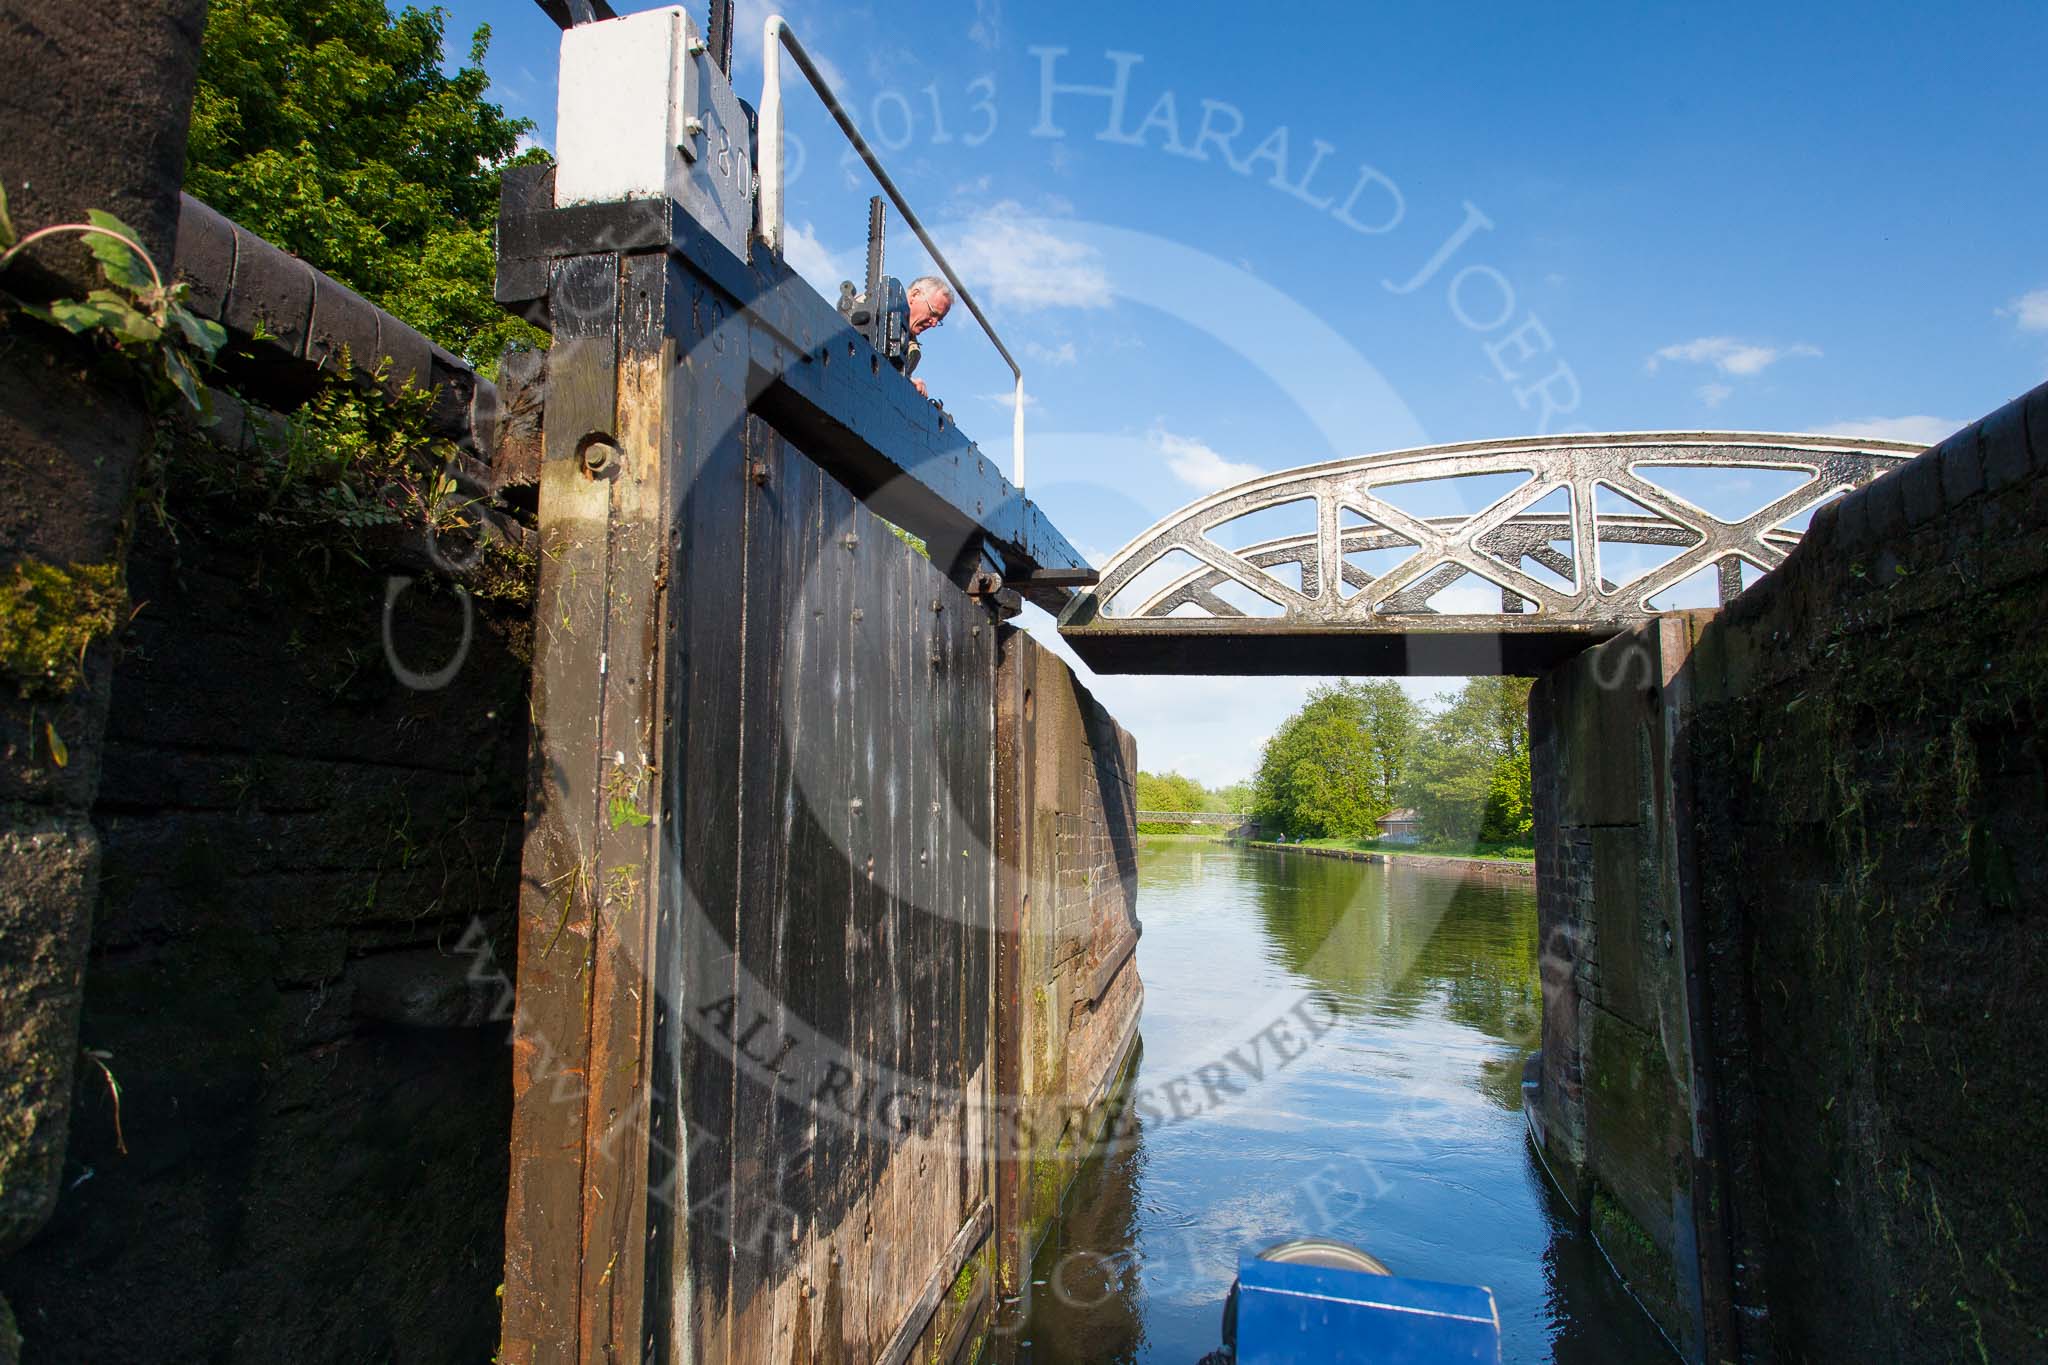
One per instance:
(881,312)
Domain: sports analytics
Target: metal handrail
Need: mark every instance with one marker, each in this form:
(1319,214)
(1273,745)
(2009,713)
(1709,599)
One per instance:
(777,35)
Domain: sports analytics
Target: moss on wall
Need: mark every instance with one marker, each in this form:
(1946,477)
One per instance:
(1637,1258)
(1874,784)
(305,1176)
(49,617)
(1635,1119)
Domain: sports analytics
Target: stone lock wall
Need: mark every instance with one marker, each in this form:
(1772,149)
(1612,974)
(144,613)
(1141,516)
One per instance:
(1872,794)
(256,1105)
(304,864)
(1615,1108)
(1792,878)
(96,117)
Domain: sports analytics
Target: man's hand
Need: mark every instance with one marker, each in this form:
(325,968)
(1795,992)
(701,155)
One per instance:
(922,391)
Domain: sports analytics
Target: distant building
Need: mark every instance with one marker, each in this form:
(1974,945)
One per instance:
(1402,826)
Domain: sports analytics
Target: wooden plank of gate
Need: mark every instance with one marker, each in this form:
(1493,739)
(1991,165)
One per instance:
(965,1326)
(853,1237)
(963,1058)
(917,1189)
(891,990)
(936,1193)
(964,1244)
(896,1017)
(616,1133)
(1015,770)
(669,1328)
(958,749)
(977,1064)
(1107,970)
(929,601)
(708,471)
(812,795)
(766,922)
(551,1030)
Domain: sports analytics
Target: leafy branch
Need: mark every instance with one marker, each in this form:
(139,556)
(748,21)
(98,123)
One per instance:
(137,310)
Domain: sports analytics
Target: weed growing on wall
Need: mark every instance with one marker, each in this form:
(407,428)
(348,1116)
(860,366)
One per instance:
(353,469)
(347,462)
(136,314)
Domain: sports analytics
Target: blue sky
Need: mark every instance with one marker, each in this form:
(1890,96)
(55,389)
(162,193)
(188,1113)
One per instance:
(1822,217)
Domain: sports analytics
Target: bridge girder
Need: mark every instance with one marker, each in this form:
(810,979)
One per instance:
(1315,609)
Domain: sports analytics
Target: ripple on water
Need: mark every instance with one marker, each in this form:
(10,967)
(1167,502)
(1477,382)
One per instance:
(1398,1129)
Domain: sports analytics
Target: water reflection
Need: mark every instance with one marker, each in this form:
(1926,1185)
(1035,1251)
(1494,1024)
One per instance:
(1398,1128)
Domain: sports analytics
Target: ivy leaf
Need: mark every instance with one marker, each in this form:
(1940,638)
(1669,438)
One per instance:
(7,237)
(202,334)
(120,263)
(58,753)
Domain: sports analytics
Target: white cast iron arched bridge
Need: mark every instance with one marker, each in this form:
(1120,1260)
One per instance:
(1486,557)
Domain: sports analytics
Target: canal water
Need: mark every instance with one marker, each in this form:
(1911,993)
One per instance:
(1334,1049)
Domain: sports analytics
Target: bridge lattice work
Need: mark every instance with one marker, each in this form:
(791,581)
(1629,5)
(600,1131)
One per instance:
(1344,598)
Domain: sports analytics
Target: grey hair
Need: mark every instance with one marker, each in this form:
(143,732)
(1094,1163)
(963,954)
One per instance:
(930,284)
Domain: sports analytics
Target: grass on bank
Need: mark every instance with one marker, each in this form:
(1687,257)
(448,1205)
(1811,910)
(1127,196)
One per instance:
(1487,851)
(1521,852)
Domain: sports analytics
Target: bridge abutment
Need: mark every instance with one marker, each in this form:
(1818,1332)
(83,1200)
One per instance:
(1621,1113)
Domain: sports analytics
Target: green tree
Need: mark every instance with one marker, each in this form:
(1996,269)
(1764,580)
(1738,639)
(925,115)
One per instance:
(1235,799)
(1340,763)
(330,128)
(1471,776)
(1170,791)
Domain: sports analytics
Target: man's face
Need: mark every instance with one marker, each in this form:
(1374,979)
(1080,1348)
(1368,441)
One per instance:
(928,308)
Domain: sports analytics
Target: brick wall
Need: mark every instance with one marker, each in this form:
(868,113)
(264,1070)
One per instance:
(303,860)
(1828,1026)
(1873,791)
(254,933)
(96,116)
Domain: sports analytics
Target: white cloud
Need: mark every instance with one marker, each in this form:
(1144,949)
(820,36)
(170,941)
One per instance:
(2029,311)
(749,17)
(1198,465)
(808,257)
(1728,355)
(1062,354)
(1008,399)
(1921,431)
(1713,395)
(1026,265)
(749,25)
